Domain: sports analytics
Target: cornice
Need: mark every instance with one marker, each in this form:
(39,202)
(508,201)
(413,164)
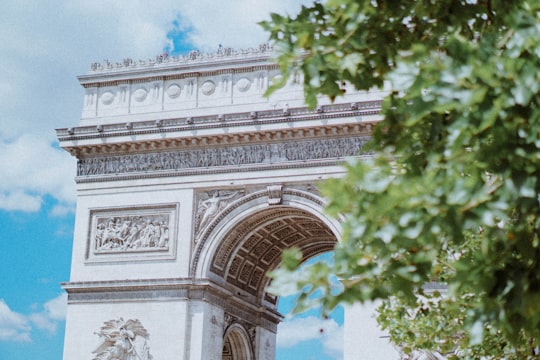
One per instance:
(179,289)
(138,284)
(220,140)
(218,121)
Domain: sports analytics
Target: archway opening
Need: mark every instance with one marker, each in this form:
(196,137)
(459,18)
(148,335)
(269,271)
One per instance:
(236,344)
(309,334)
(253,249)
(247,245)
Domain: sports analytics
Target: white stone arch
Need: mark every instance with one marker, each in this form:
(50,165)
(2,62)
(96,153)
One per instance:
(245,208)
(237,344)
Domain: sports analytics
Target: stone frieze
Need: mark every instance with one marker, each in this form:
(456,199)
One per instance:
(221,156)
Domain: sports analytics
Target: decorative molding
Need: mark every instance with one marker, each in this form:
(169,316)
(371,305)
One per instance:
(133,233)
(254,247)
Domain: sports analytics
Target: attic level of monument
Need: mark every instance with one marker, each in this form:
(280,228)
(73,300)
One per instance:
(196,89)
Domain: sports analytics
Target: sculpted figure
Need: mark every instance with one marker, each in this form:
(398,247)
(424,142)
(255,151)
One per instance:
(122,340)
(164,234)
(211,206)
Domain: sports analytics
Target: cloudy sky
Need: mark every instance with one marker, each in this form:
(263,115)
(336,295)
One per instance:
(44,45)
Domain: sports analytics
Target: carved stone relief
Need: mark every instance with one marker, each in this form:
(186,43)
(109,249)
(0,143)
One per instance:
(122,340)
(243,84)
(211,203)
(131,231)
(222,156)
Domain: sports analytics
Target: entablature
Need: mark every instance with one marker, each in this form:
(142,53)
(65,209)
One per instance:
(212,144)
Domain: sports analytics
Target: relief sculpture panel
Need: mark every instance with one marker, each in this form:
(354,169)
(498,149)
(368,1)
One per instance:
(125,231)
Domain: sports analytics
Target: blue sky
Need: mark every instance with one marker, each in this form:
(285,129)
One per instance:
(44,45)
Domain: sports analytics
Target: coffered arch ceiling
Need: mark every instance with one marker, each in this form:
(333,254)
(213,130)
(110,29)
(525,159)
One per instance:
(244,257)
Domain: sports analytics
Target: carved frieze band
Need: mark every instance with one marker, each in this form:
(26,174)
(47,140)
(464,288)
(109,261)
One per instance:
(221,156)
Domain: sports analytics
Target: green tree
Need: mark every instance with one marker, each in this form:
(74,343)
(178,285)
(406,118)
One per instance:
(452,193)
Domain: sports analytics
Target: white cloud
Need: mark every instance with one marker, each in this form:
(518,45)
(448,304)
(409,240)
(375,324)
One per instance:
(333,343)
(46,44)
(120,29)
(15,199)
(17,327)
(31,168)
(57,307)
(42,322)
(232,23)
(297,330)
(60,210)
(13,326)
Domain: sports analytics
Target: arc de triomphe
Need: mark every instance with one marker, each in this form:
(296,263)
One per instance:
(190,183)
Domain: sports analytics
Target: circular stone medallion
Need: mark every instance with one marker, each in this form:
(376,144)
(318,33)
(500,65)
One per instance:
(140,94)
(208,87)
(243,84)
(173,91)
(107,98)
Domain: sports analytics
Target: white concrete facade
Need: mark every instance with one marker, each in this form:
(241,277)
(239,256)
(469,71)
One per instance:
(190,183)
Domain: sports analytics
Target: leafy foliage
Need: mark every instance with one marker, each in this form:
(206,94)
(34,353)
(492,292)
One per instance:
(452,192)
